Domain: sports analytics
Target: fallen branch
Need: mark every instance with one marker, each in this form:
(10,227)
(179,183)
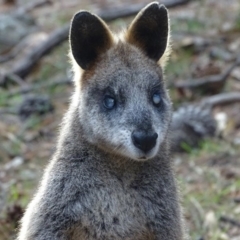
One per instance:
(220,99)
(26,65)
(213,83)
(60,35)
(226,219)
(14,52)
(129,10)
(34,87)
(29,7)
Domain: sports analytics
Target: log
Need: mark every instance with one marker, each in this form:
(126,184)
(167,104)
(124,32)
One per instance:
(212,84)
(220,99)
(33,87)
(54,39)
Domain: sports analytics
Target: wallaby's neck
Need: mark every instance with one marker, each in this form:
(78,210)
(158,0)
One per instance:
(71,141)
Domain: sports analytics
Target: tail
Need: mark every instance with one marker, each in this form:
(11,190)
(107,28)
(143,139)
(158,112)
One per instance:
(190,125)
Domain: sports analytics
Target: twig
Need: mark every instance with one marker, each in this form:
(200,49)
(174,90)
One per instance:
(30,88)
(60,35)
(11,111)
(229,220)
(29,7)
(220,99)
(17,80)
(25,67)
(19,12)
(212,83)
(129,10)
(14,52)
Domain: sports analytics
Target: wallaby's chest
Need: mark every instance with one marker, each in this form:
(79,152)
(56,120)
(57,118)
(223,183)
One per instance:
(120,210)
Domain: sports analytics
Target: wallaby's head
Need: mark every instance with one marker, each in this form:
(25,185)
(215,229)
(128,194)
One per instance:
(122,101)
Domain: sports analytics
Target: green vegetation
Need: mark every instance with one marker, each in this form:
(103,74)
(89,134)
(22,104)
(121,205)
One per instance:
(187,25)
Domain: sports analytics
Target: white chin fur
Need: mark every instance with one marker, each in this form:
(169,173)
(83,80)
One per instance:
(138,155)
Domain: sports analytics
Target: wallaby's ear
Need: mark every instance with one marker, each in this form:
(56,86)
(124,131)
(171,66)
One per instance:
(149,30)
(89,38)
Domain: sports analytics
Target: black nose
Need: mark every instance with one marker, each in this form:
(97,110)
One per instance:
(144,141)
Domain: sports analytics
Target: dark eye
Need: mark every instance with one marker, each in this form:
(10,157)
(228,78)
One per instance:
(109,102)
(156,99)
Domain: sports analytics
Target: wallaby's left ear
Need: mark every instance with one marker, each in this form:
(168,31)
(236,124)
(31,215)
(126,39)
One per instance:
(149,30)
(89,38)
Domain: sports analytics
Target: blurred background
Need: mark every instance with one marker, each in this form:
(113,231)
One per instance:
(203,73)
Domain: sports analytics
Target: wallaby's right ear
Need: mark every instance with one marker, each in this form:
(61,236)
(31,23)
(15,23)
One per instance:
(149,30)
(89,38)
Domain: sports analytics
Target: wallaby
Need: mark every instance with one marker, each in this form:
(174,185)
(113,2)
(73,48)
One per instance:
(111,176)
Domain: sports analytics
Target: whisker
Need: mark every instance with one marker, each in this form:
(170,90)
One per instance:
(118,148)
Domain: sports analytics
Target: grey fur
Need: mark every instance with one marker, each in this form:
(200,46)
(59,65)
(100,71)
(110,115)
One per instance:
(99,186)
